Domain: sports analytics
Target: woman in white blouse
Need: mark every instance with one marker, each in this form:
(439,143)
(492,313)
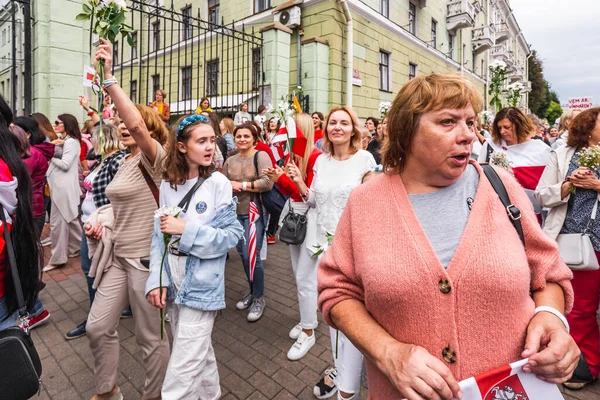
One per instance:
(336,174)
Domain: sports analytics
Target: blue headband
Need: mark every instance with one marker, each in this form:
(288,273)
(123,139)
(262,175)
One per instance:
(189,121)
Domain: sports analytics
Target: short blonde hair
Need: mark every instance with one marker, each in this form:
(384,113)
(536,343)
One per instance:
(111,140)
(356,132)
(422,94)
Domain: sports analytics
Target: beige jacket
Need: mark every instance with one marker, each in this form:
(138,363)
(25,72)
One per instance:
(547,192)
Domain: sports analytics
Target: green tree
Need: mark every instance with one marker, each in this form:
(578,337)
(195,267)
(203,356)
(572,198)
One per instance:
(553,112)
(541,95)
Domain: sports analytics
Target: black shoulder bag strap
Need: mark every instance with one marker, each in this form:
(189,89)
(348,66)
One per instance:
(514,214)
(10,251)
(490,151)
(256,196)
(185,202)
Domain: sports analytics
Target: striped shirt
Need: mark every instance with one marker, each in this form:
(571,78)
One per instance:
(133,204)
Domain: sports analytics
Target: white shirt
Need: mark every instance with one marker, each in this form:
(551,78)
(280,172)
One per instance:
(214,194)
(332,184)
(88,207)
(260,119)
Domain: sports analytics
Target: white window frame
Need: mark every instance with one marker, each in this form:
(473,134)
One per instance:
(385,77)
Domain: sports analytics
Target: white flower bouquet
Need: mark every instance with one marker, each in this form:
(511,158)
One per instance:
(500,159)
(384,108)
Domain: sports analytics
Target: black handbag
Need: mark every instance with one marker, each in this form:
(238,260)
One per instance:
(21,368)
(293,228)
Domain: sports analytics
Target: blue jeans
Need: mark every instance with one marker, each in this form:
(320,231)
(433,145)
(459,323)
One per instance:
(86,264)
(4,321)
(257,288)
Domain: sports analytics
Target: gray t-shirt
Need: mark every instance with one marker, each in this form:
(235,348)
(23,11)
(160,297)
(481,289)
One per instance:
(443,214)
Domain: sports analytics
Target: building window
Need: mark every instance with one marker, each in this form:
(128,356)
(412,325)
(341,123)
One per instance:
(155,83)
(134,47)
(450,45)
(384,71)
(186,19)
(212,77)
(213,11)
(3,37)
(186,83)
(116,53)
(482,68)
(384,8)
(412,18)
(473,62)
(156,36)
(256,68)
(412,70)
(133,91)
(434,33)
(261,5)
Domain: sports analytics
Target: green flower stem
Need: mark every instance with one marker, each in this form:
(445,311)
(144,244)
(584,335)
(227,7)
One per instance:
(101,108)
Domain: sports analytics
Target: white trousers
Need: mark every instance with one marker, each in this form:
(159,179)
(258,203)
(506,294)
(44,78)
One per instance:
(65,235)
(348,361)
(192,371)
(305,271)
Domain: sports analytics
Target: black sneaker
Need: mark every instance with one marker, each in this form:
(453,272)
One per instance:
(582,376)
(322,390)
(127,313)
(76,332)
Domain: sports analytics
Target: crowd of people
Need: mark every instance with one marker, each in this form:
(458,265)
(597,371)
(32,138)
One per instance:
(153,209)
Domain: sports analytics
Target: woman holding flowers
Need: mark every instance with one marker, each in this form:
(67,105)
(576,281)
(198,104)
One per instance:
(131,194)
(193,270)
(512,132)
(335,175)
(244,170)
(304,262)
(570,189)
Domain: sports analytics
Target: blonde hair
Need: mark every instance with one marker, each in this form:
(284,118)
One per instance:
(304,122)
(422,94)
(156,127)
(356,133)
(111,139)
(229,125)
(565,120)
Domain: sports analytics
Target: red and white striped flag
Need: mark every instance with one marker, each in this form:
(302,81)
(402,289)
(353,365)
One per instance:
(508,382)
(253,216)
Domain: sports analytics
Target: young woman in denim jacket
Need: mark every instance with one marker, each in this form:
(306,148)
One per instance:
(193,271)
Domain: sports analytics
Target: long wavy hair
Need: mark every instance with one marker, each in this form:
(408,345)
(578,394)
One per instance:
(45,125)
(28,250)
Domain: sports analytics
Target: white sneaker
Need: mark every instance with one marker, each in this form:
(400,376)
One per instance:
(303,344)
(256,310)
(295,332)
(245,302)
(51,267)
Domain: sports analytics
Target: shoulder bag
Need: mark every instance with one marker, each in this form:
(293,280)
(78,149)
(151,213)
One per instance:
(273,200)
(293,228)
(21,368)
(150,183)
(576,248)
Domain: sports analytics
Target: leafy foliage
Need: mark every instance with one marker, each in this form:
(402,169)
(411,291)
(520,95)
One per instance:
(108,19)
(541,96)
(554,112)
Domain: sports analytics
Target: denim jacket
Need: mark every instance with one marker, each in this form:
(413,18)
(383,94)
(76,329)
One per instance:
(203,287)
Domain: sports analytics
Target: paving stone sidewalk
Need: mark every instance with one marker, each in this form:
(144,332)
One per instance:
(251,356)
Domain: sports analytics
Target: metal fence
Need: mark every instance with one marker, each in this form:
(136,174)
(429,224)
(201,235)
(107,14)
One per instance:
(175,50)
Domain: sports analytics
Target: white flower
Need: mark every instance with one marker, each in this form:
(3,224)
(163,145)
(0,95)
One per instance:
(384,107)
(166,211)
(283,106)
(497,64)
(121,3)
(299,87)
(270,108)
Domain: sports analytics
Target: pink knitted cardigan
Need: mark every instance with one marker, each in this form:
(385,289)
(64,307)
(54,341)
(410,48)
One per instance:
(391,267)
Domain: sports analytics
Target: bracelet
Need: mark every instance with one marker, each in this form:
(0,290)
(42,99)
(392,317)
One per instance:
(244,186)
(90,113)
(109,82)
(305,194)
(554,311)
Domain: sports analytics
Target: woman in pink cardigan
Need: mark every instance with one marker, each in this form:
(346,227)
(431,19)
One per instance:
(451,291)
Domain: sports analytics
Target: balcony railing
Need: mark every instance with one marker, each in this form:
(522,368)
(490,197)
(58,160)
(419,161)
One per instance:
(461,14)
(482,38)
(502,32)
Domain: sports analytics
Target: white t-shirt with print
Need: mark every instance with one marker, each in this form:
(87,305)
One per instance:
(214,194)
(88,207)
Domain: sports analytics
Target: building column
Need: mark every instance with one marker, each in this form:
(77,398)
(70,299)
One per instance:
(276,50)
(315,70)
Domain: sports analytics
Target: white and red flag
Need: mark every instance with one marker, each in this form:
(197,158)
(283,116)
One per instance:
(528,161)
(253,216)
(508,382)
(89,76)
(290,136)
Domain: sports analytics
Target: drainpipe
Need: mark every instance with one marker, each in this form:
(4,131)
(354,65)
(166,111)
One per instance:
(349,51)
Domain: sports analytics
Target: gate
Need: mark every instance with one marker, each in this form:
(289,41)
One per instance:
(190,59)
